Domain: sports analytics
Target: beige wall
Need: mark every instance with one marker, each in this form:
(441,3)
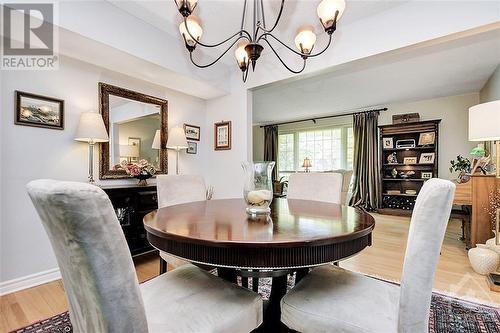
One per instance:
(491,90)
(258,143)
(453,110)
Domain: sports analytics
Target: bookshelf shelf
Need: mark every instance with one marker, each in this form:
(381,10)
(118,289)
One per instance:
(402,203)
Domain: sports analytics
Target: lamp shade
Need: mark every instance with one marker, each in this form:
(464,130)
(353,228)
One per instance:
(484,122)
(156,141)
(306,163)
(91,128)
(177,139)
(129,151)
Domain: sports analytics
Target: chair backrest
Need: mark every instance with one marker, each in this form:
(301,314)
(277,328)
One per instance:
(179,189)
(97,269)
(427,228)
(326,187)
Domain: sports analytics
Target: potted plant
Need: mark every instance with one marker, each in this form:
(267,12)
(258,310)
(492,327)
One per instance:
(463,166)
(279,185)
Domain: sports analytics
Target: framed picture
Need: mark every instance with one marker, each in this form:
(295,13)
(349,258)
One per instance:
(39,111)
(192,148)
(426,139)
(410,160)
(192,132)
(136,142)
(387,143)
(222,135)
(426,175)
(427,158)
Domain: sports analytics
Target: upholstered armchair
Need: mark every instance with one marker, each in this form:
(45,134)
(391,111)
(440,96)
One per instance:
(326,187)
(331,299)
(101,283)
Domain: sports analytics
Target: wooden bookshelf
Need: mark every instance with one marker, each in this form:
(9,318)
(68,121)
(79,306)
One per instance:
(402,203)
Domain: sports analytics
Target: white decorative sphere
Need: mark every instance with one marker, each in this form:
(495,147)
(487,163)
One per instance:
(483,260)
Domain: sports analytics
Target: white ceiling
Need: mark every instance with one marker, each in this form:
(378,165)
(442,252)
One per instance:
(222,18)
(450,68)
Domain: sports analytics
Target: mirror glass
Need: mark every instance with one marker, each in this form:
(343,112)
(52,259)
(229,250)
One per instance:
(134,131)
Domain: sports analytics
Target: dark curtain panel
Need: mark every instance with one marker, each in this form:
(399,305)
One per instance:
(271,147)
(366,181)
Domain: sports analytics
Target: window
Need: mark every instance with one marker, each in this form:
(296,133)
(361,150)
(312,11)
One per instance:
(328,148)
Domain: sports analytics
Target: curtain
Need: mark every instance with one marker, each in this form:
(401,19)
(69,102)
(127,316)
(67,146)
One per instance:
(366,177)
(271,147)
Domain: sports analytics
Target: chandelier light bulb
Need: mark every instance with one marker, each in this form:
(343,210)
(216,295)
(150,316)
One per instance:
(241,55)
(327,9)
(305,39)
(194,26)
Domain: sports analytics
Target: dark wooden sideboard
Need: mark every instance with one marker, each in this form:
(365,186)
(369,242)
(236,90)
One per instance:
(131,203)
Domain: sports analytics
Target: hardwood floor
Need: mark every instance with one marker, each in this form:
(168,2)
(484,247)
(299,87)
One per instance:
(383,259)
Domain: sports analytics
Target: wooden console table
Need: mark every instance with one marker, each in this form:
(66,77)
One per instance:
(476,193)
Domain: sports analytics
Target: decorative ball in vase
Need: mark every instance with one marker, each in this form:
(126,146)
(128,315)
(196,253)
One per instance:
(483,260)
(258,187)
(141,170)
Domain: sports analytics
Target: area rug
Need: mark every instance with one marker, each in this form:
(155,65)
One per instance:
(448,315)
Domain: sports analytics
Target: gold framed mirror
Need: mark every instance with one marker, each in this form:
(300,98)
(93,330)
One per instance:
(137,125)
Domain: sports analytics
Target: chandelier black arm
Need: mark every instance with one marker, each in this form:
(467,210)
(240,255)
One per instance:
(215,45)
(283,63)
(218,58)
(275,23)
(296,52)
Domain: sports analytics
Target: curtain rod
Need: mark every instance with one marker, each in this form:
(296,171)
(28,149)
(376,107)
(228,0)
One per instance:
(324,117)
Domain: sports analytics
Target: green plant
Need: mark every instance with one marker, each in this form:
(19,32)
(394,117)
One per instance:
(281,181)
(461,165)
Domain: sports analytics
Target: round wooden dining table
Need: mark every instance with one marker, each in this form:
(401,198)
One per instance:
(295,236)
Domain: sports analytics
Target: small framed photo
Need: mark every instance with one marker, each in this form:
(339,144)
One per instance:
(410,160)
(39,111)
(387,143)
(192,148)
(426,175)
(427,139)
(192,132)
(427,158)
(222,135)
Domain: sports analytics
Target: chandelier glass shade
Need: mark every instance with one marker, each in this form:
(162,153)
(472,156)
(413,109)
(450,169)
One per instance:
(249,44)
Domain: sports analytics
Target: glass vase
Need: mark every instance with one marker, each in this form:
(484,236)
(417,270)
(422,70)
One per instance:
(258,187)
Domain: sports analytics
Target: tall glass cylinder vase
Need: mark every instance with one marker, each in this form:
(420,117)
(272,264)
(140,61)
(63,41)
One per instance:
(258,187)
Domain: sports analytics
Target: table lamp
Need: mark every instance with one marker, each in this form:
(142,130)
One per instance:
(129,151)
(484,125)
(307,164)
(91,129)
(177,141)
(156,141)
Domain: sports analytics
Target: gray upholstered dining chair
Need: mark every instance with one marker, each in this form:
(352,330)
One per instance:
(333,299)
(176,190)
(326,187)
(101,283)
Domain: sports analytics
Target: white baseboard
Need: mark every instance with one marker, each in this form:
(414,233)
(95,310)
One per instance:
(29,281)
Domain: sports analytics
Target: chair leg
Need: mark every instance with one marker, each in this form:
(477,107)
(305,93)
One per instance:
(163,266)
(255,284)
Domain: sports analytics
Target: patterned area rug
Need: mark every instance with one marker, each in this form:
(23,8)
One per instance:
(448,315)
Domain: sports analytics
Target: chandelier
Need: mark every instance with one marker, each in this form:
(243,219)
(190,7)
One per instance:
(249,45)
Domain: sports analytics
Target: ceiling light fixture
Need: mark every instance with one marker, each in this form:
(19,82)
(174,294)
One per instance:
(249,46)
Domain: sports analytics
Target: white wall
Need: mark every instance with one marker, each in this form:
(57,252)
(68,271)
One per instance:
(454,112)
(491,90)
(29,153)
(224,166)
